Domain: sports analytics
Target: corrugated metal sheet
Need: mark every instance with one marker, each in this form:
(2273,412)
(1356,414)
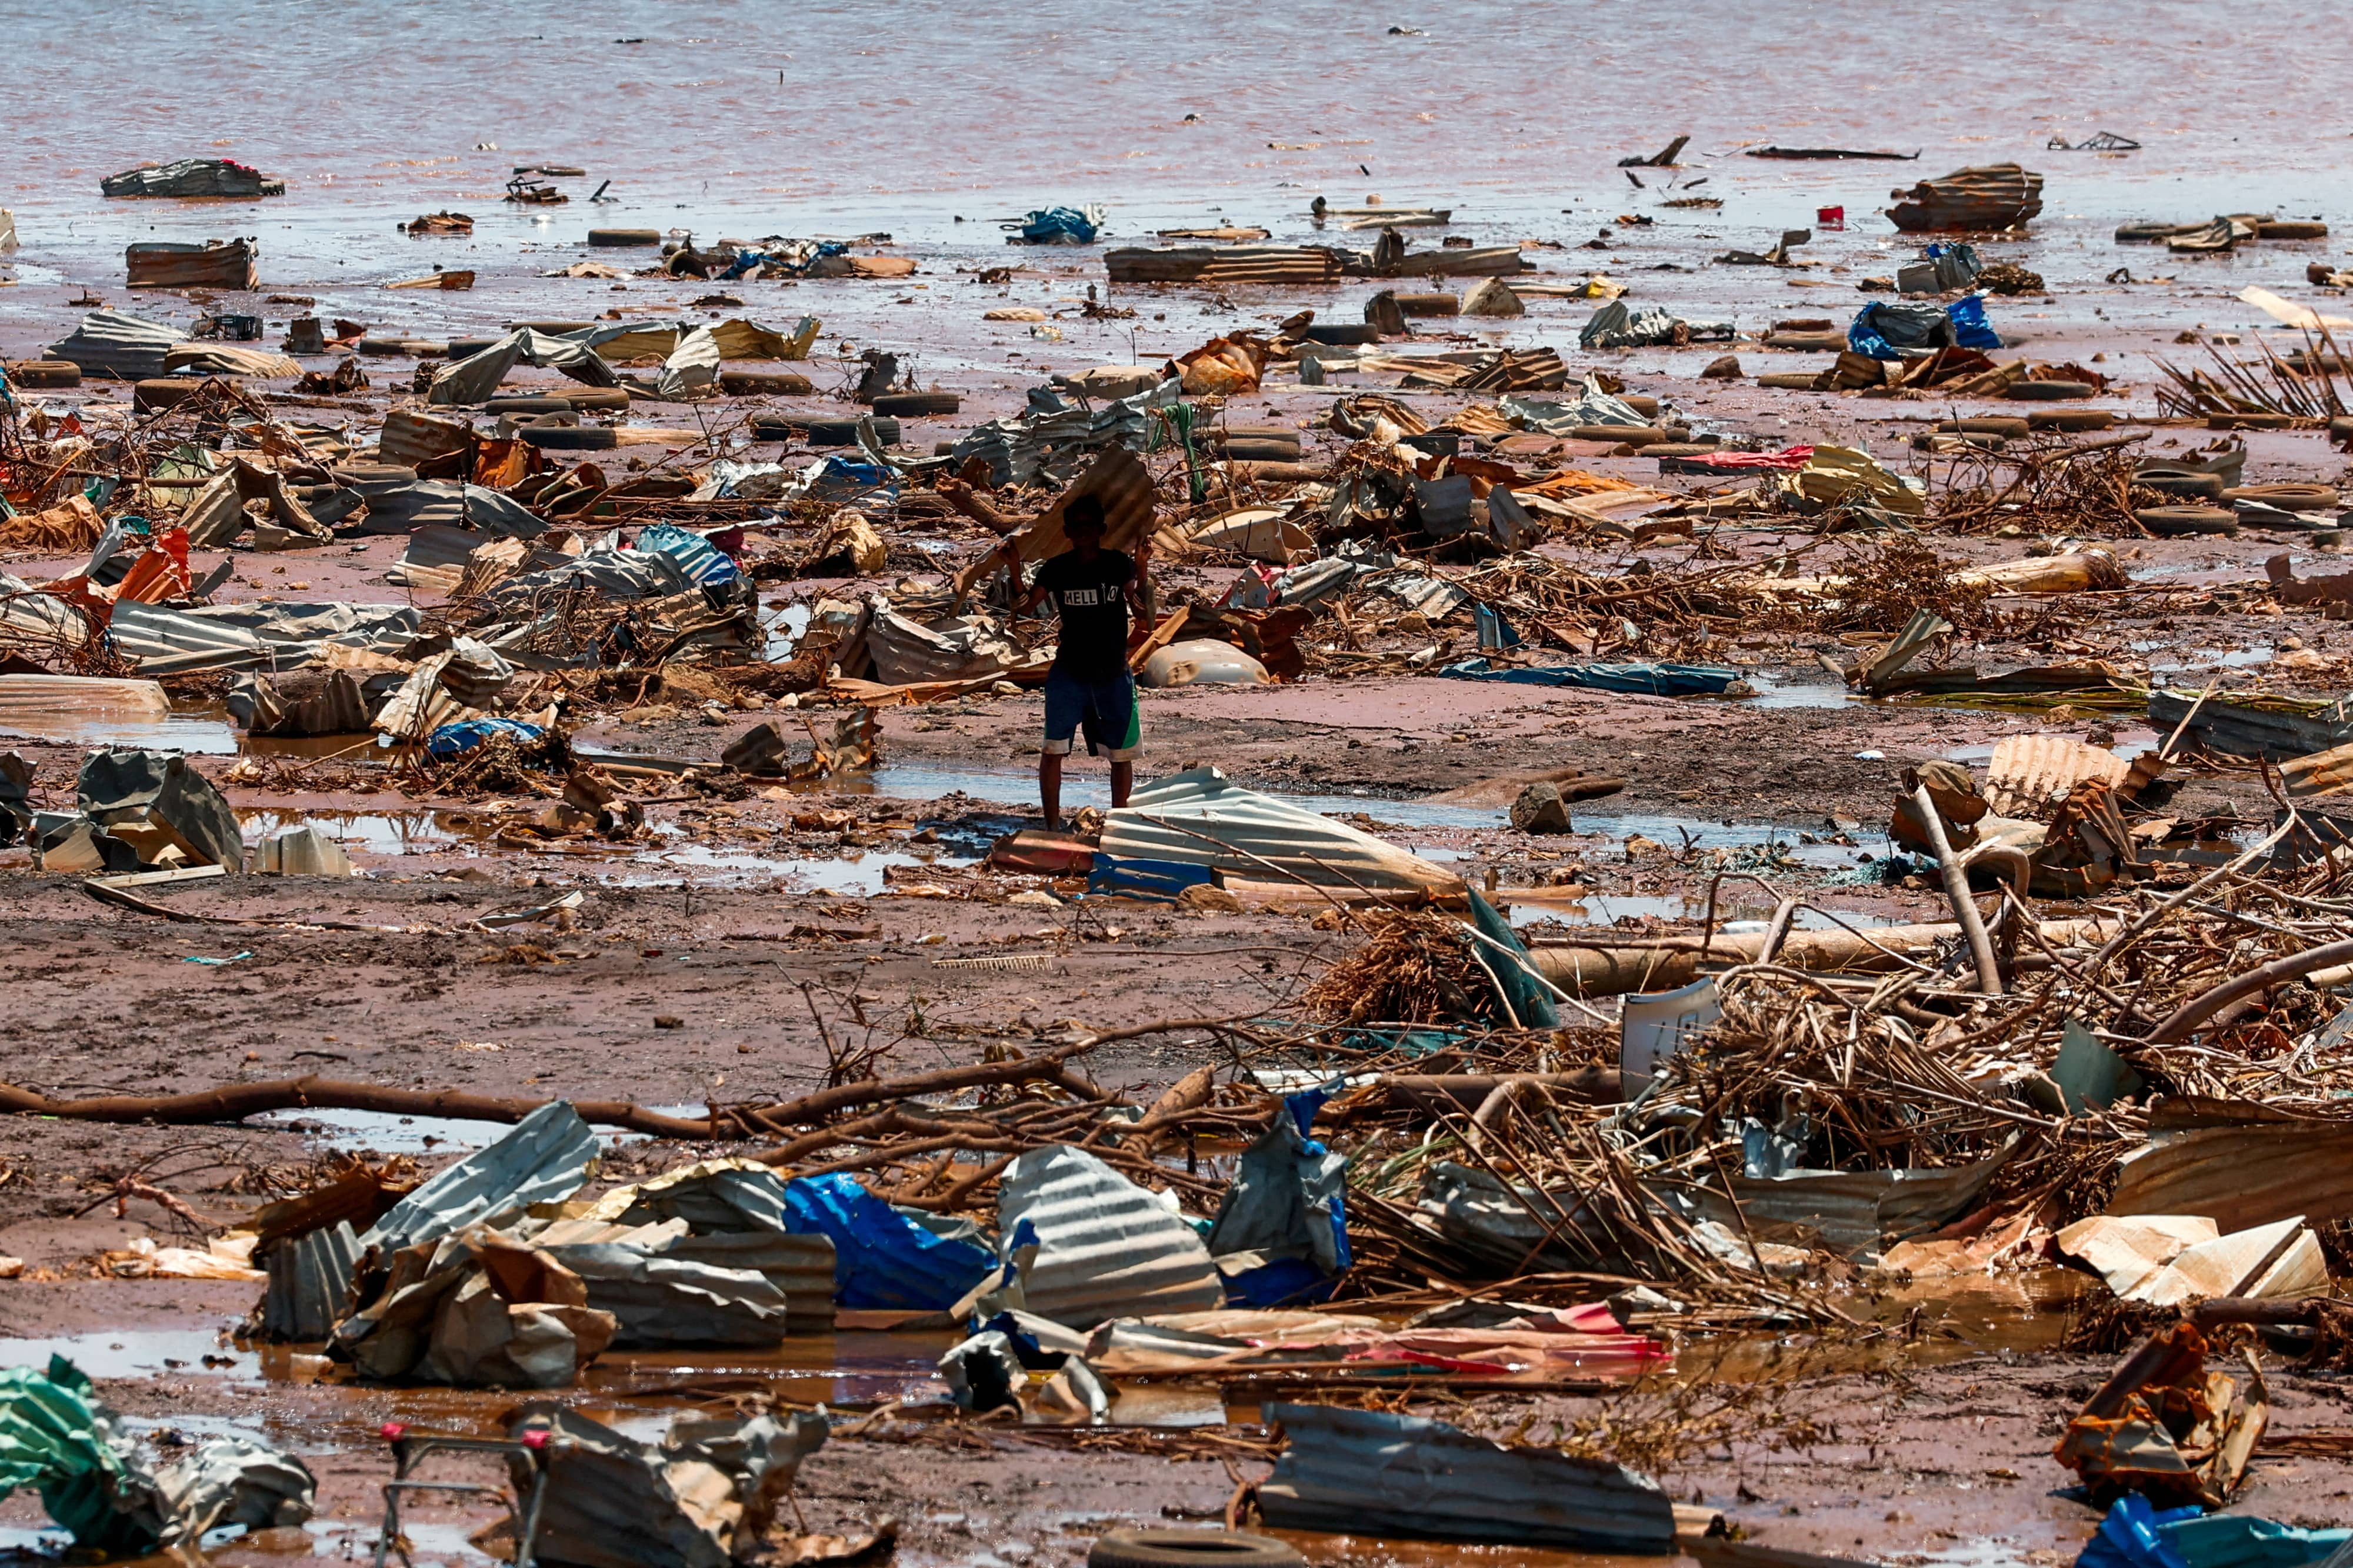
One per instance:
(739,1218)
(1446,261)
(2322,772)
(958,648)
(193,177)
(1991,196)
(2244,1175)
(165,264)
(108,343)
(409,438)
(1200,818)
(1107,1247)
(226,358)
(2030,774)
(544,1159)
(1369,1472)
(663,1300)
(1853,1210)
(435,503)
(310,1283)
(168,642)
(28,698)
(1238,264)
(2272,728)
(802,1268)
(1019,450)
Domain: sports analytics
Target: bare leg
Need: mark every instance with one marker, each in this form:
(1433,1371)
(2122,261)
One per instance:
(1123,779)
(1050,787)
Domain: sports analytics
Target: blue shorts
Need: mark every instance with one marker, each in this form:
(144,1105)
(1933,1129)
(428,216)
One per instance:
(1105,709)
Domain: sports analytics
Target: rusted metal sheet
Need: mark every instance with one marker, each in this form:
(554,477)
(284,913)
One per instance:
(2240,1167)
(310,1283)
(1446,261)
(1107,1247)
(2322,772)
(226,359)
(2030,774)
(193,177)
(29,698)
(216,264)
(1371,1472)
(2271,727)
(1991,196)
(410,438)
(1275,264)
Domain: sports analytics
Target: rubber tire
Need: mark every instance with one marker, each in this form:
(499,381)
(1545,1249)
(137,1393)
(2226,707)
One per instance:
(1342,334)
(844,432)
(570,438)
(1252,451)
(2315,498)
(2185,522)
(44,373)
(2070,419)
(528,405)
(764,383)
(1989,425)
(2047,391)
(619,236)
(917,404)
(2185,486)
(1190,1549)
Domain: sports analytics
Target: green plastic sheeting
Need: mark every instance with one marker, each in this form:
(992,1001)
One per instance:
(55,1436)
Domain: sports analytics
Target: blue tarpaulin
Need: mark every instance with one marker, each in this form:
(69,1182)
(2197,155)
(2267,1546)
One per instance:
(457,740)
(882,1258)
(1642,679)
(1062,226)
(696,556)
(1287,1210)
(1153,881)
(2136,1535)
(1888,329)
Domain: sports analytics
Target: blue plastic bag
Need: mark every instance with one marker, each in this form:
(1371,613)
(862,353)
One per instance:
(1058,225)
(1151,881)
(1970,328)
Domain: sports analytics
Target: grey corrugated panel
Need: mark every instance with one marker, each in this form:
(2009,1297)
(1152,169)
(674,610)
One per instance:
(1370,1472)
(739,1220)
(1108,1248)
(615,573)
(663,1299)
(147,635)
(354,624)
(1018,449)
(962,648)
(310,1279)
(434,503)
(111,342)
(544,1160)
(1220,264)
(1852,1210)
(1200,818)
(801,1267)
(2243,729)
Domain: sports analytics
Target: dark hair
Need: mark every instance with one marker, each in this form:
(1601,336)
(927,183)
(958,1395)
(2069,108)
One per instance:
(1083,513)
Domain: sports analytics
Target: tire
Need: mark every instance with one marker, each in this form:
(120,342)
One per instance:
(1624,435)
(1190,1549)
(2146,233)
(764,383)
(44,373)
(617,236)
(570,438)
(2287,497)
(466,348)
(917,404)
(844,432)
(1429,305)
(1987,426)
(1341,334)
(1250,450)
(2047,391)
(2186,487)
(2181,521)
(2075,419)
(528,405)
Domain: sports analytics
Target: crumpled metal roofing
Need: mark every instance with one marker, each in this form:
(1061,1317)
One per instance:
(545,1159)
(1371,1472)
(1057,443)
(1200,818)
(169,642)
(2030,774)
(111,343)
(1107,1247)
(436,503)
(309,1280)
(666,1300)
(959,647)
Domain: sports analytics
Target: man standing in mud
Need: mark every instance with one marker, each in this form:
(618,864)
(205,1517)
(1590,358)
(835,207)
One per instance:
(1089,687)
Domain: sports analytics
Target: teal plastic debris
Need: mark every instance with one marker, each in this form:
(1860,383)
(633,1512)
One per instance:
(1640,680)
(2135,1534)
(1516,971)
(1062,226)
(2090,1076)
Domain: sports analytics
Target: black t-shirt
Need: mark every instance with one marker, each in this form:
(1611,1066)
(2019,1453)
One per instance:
(1090,597)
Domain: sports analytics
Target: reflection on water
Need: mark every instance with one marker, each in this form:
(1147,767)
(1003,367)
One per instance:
(193,734)
(138,1352)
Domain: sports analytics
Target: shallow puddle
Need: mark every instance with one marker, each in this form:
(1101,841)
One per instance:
(388,1133)
(192,733)
(139,1352)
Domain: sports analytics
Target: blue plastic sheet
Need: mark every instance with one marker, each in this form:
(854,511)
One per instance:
(1288,1201)
(2135,1534)
(1641,680)
(1058,225)
(1888,329)
(457,740)
(696,556)
(1153,881)
(883,1260)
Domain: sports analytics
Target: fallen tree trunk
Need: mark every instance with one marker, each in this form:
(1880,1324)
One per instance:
(1610,969)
